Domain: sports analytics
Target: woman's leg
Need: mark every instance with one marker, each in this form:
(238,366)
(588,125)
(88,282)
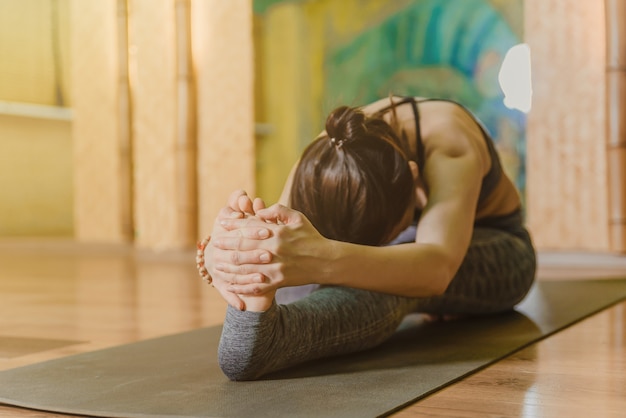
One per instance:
(495,275)
(330,321)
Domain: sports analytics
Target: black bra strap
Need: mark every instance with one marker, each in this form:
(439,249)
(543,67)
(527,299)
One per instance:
(421,157)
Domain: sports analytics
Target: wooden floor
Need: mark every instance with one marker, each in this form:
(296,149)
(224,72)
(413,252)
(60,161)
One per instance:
(58,299)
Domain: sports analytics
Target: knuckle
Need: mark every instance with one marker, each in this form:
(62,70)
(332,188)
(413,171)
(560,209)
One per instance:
(235,258)
(282,271)
(280,233)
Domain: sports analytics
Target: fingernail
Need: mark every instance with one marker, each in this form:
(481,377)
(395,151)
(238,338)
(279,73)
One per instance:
(265,257)
(263,233)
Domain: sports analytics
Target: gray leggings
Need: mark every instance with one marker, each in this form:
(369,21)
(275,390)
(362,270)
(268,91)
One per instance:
(495,275)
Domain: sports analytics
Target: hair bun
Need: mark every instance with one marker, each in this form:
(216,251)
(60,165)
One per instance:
(345,124)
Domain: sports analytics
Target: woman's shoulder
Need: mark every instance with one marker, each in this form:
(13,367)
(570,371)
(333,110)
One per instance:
(447,117)
(447,126)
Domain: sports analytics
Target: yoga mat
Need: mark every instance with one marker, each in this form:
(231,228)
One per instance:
(177,376)
(19,346)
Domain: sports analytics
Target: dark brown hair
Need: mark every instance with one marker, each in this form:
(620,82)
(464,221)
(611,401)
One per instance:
(354,184)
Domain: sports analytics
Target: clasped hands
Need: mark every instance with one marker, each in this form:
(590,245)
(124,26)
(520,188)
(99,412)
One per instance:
(255,249)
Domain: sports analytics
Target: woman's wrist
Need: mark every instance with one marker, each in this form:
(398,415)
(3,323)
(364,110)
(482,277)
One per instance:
(330,265)
(259,303)
(347,264)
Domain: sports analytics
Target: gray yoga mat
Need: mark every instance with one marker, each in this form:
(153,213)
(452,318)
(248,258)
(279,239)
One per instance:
(177,376)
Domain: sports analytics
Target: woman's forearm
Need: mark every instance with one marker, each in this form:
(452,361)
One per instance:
(412,270)
(301,255)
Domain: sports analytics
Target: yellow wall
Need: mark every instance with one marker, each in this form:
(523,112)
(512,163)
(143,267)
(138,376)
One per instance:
(28,51)
(283,60)
(35,177)
(35,153)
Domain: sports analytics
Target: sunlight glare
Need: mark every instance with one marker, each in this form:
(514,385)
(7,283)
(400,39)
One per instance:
(515,78)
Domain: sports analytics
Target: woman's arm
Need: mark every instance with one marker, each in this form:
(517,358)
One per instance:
(420,269)
(424,268)
(456,161)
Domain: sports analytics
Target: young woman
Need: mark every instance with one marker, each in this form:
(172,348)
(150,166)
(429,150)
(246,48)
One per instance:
(421,174)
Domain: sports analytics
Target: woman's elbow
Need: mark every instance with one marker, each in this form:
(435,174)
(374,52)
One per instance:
(435,284)
(441,285)
(443,270)
(443,278)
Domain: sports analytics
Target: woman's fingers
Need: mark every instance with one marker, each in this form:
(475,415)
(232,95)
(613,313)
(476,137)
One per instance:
(279,214)
(241,272)
(243,278)
(246,228)
(246,278)
(233,199)
(229,213)
(244,203)
(240,201)
(232,299)
(250,289)
(241,244)
(230,261)
(258,204)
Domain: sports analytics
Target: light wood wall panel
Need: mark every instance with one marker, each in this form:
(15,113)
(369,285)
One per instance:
(567,188)
(97,159)
(153,81)
(223,55)
(616,121)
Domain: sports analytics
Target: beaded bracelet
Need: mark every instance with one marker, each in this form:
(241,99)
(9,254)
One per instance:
(202,270)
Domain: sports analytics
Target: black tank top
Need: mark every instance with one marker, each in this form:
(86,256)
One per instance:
(490,180)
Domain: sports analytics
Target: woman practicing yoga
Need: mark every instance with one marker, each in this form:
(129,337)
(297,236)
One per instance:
(400,206)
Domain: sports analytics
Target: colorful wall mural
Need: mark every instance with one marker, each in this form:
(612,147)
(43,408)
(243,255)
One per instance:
(315,55)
